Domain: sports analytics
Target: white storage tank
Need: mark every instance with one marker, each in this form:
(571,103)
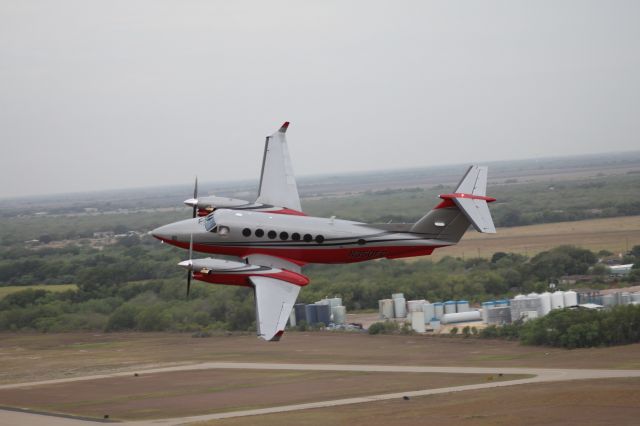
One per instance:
(292,318)
(608,300)
(462,306)
(449,307)
(339,314)
(385,307)
(533,294)
(415,305)
(400,307)
(625,298)
(635,297)
(435,324)
(417,321)
(429,312)
(335,301)
(570,298)
(438,309)
(520,296)
(397,295)
(485,310)
(545,303)
(461,317)
(557,299)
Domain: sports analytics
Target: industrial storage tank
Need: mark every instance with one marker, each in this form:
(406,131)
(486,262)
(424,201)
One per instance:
(300,310)
(461,317)
(635,297)
(385,309)
(449,307)
(499,315)
(400,307)
(429,312)
(397,295)
(339,314)
(417,321)
(608,300)
(625,298)
(292,318)
(462,306)
(438,309)
(485,310)
(501,303)
(570,298)
(311,314)
(324,314)
(415,305)
(557,299)
(520,296)
(533,294)
(545,303)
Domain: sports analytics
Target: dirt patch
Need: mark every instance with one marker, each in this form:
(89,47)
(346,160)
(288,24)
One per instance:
(188,393)
(33,357)
(593,402)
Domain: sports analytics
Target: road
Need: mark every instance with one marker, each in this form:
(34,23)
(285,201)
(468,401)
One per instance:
(10,417)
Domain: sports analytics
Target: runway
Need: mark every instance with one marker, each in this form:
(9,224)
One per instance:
(11,417)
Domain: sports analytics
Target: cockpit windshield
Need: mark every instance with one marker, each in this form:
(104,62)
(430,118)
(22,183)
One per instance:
(209,222)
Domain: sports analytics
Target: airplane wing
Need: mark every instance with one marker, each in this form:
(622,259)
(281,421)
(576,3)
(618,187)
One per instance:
(277,182)
(274,297)
(274,301)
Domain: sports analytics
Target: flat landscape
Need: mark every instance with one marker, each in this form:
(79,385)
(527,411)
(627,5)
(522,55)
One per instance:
(616,234)
(145,376)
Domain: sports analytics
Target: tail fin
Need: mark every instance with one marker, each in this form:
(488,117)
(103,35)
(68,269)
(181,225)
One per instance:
(450,219)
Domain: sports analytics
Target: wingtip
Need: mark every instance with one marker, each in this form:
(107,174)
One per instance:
(284,127)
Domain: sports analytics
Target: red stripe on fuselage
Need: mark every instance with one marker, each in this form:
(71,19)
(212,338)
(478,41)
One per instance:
(244,279)
(315,255)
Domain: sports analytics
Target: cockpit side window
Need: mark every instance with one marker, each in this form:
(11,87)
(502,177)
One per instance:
(210,223)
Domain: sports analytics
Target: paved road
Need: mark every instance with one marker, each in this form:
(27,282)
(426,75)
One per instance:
(539,375)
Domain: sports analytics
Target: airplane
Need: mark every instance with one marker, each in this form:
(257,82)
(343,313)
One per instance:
(273,238)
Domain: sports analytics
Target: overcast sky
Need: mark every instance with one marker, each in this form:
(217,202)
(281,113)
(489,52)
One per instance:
(115,94)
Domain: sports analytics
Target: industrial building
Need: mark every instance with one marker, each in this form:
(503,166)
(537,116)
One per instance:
(426,316)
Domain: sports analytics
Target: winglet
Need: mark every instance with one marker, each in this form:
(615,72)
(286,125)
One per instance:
(284,127)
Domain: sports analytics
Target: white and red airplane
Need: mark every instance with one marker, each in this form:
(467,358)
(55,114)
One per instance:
(273,238)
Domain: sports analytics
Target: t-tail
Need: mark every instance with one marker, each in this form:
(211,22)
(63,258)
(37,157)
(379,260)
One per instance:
(450,219)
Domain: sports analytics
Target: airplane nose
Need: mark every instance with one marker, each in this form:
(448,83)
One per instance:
(161,233)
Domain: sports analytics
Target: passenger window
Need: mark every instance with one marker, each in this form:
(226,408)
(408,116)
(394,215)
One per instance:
(259,233)
(246,232)
(272,234)
(308,237)
(295,236)
(284,236)
(319,239)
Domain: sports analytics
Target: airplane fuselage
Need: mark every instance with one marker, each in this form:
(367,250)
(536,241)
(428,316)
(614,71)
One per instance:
(301,239)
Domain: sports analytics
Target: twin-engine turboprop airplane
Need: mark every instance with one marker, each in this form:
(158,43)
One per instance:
(273,239)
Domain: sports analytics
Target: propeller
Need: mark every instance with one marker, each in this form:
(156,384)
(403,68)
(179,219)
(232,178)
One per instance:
(189,265)
(193,202)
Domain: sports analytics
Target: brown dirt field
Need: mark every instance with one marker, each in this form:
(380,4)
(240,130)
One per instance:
(591,402)
(32,357)
(616,234)
(189,393)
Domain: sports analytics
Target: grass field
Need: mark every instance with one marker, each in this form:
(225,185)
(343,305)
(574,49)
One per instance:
(33,357)
(616,234)
(187,393)
(6,290)
(36,357)
(591,402)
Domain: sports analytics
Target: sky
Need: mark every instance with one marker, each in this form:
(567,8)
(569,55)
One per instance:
(121,94)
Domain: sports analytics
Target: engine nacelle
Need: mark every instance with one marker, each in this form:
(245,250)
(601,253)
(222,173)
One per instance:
(206,205)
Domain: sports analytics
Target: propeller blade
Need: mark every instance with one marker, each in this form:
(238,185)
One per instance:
(194,200)
(189,272)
